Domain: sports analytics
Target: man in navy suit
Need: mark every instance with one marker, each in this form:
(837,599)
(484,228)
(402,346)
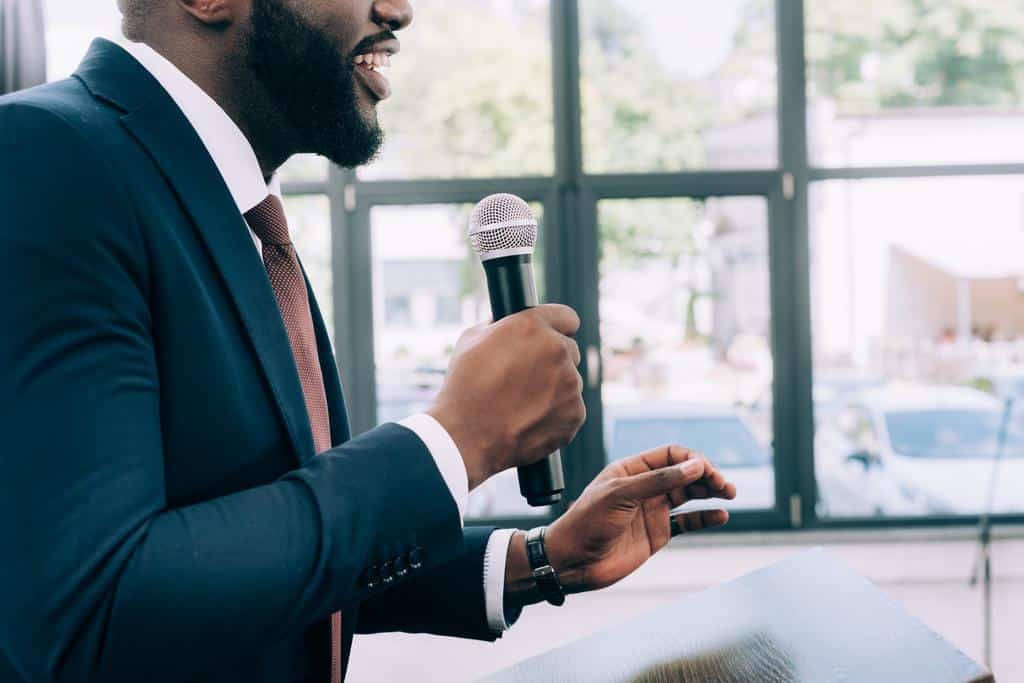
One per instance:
(181,496)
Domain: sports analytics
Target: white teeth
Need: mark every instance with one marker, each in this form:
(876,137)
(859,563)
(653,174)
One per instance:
(374,61)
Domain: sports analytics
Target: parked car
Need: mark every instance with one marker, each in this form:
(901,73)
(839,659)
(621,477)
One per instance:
(828,391)
(720,432)
(1005,384)
(918,450)
(831,387)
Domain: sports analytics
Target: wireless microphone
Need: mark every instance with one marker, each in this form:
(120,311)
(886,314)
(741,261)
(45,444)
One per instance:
(503,231)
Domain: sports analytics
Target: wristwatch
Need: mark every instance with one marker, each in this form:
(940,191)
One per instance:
(543,573)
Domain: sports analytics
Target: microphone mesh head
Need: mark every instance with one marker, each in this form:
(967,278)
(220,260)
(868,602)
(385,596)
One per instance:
(502,225)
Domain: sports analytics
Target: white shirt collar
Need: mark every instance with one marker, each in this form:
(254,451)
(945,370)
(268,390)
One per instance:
(227,145)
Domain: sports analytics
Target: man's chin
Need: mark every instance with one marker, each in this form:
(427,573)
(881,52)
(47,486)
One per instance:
(343,151)
(368,111)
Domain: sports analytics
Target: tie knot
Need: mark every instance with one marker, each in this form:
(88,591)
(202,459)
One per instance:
(268,221)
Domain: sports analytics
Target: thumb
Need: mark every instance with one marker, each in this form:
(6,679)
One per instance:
(663,480)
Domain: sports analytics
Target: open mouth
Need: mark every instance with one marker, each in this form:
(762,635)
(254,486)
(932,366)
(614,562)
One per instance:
(370,67)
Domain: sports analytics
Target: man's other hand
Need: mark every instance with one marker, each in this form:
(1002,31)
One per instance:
(513,393)
(622,518)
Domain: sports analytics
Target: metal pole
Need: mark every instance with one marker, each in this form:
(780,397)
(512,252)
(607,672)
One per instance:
(987,616)
(983,563)
(789,254)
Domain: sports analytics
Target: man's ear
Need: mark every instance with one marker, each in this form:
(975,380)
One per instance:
(213,12)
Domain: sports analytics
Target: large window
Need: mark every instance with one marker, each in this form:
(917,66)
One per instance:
(791,228)
(918,344)
(686,334)
(678,85)
(428,286)
(913,112)
(472,93)
(896,82)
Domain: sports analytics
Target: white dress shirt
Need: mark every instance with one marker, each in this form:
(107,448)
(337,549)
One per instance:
(236,160)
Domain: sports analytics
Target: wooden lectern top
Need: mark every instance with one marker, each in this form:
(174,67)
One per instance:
(808,618)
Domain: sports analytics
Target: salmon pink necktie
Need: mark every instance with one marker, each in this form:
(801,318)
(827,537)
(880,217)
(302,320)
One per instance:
(268,222)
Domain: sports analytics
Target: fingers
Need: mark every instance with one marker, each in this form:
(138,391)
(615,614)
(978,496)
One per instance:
(713,484)
(659,457)
(574,350)
(699,491)
(714,481)
(562,318)
(687,522)
(661,482)
(702,490)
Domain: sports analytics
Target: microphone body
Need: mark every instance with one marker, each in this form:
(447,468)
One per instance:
(503,232)
(511,287)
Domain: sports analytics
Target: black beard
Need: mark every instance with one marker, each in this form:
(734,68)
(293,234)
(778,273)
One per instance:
(311,85)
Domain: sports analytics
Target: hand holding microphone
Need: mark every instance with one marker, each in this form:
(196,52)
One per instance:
(513,394)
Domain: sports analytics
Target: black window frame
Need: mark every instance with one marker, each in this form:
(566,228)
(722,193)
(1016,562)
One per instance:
(570,198)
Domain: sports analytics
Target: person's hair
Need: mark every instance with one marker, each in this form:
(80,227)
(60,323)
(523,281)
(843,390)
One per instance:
(134,14)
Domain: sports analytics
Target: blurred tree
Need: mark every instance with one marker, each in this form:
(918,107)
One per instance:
(475,100)
(641,117)
(904,53)
(473,92)
(637,117)
(670,231)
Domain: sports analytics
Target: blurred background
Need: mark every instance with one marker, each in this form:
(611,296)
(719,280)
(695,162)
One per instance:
(794,231)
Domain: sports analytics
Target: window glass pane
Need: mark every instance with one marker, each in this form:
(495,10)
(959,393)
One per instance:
(685,331)
(472,93)
(304,167)
(889,78)
(71,26)
(918,319)
(428,287)
(671,86)
(309,221)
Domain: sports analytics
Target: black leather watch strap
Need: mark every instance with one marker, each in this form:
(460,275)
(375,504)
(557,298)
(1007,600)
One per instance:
(544,574)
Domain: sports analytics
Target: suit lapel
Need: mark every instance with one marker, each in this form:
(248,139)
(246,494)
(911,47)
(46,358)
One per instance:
(153,118)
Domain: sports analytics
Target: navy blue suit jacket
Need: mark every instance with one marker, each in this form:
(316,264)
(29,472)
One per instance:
(162,515)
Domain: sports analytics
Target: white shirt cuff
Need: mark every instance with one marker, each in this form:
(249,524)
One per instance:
(449,461)
(495,558)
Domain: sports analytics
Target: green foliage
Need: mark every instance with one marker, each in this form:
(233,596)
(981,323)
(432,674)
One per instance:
(633,230)
(474,97)
(636,230)
(473,93)
(874,54)
(636,117)
(639,117)
(473,90)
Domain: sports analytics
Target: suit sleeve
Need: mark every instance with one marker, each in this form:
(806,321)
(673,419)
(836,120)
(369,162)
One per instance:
(447,601)
(99,579)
